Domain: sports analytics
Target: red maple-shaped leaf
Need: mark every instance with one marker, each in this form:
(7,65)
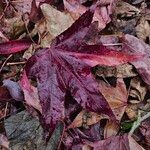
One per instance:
(66,66)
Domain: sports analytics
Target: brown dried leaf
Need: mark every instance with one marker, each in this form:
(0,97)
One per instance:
(125,9)
(111,129)
(137,91)
(121,71)
(85,118)
(143,30)
(115,96)
(41,29)
(56,21)
(132,111)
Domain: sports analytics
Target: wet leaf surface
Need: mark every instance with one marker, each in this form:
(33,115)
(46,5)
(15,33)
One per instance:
(74,74)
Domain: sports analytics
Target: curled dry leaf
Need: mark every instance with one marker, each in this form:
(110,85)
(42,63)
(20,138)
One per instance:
(87,119)
(12,24)
(143,30)
(111,129)
(115,96)
(29,52)
(137,90)
(44,36)
(125,9)
(132,111)
(30,93)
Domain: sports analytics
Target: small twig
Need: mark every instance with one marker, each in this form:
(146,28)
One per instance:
(5,62)
(16,63)
(113,44)
(26,26)
(138,122)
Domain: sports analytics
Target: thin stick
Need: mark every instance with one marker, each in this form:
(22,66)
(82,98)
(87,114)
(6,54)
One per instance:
(113,44)
(16,63)
(5,62)
(138,122)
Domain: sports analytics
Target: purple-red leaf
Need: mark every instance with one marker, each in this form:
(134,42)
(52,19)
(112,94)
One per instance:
(59,71)
(56,72)
(71,39)
(14,46)
(124,142)
(66,66)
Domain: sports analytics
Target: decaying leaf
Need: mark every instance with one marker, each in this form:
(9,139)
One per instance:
(56,21)
(137,91)
(120,71)
(132,111)
(125,9)
(115,96)
(85,118)
(12,24)
(29,52)
(143,30)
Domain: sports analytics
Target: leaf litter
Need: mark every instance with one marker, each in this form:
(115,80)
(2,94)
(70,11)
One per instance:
(80,85)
